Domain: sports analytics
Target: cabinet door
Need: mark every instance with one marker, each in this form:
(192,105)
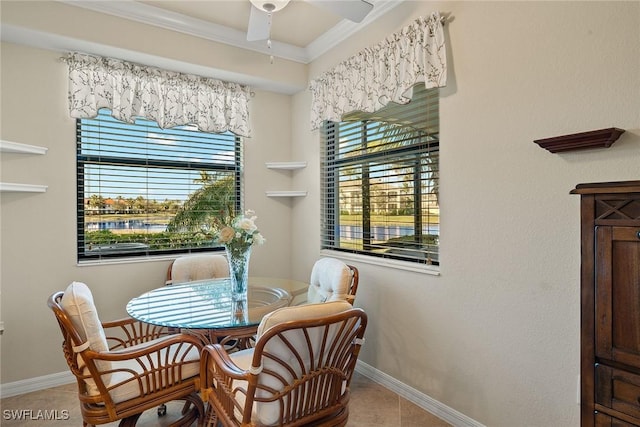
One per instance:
(618,294)
(619,390)
(604,420)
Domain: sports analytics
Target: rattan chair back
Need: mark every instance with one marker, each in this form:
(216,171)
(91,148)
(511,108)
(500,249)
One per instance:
(300,374)
(144,346)
(189,268)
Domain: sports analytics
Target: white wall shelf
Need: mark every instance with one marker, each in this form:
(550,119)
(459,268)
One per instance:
(286,193)
(286,165)
(9,187)
(16,147)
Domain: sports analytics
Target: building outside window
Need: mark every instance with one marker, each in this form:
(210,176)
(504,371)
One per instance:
(380,174)
(143,190)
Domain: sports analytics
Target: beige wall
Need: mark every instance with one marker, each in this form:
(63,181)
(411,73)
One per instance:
(38,230)
(496,335)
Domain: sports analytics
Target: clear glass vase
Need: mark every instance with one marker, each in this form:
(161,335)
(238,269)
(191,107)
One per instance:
(240,310)
(238,258)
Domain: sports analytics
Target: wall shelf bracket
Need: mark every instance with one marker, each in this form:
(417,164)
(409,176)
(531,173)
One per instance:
(286,193)
(10,187)
(602,138)
(16,147)
(286,165)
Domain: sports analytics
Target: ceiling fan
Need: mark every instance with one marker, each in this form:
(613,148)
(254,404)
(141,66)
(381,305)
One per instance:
(262,11)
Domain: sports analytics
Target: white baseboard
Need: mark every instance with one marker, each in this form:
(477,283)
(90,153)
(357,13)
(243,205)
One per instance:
(442,411)
(453,417)
(35,384)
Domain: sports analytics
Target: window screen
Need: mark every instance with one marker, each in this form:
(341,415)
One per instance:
(380,181)
(143,190)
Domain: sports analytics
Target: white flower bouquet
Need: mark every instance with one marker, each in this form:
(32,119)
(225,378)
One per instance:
(239,233)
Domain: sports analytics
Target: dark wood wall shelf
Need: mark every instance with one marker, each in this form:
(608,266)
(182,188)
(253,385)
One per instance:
(602,138)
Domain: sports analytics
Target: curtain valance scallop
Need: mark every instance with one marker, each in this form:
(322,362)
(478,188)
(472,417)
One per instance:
(382,73)
(170,98)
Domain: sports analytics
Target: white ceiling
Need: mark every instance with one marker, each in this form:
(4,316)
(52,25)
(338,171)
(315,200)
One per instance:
(298,24)
(300,32)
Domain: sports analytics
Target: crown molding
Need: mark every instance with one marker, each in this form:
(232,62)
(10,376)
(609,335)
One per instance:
(162,18)
(152,15)
(346,28)
(54,42)
(155,16)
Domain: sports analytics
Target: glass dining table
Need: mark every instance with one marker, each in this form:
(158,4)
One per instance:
(205,308)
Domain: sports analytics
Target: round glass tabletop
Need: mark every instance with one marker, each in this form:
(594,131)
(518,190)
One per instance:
(207,304)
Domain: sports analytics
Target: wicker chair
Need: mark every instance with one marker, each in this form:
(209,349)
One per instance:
(299,372)
(331,280)
(133,368)
(197,267)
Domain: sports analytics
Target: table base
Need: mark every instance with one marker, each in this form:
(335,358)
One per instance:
(232,339)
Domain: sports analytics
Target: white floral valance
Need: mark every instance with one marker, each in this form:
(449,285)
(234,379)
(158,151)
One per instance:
(170,98)
(382,73)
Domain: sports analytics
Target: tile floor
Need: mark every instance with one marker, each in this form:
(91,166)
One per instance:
(371,405)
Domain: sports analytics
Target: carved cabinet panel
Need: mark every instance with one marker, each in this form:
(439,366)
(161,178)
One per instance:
(610,303)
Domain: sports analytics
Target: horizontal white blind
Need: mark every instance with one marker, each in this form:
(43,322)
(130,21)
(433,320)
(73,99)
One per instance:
(379,181)
(144,190)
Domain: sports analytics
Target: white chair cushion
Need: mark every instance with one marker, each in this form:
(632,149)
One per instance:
(301,312)
(269,413)
(242,359)
(125,390)
(77,302)
(199,267)
(330,281)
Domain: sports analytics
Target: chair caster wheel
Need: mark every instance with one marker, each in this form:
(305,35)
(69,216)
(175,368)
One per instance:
(162,410)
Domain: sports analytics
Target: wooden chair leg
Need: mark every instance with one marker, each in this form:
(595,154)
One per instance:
(193,410)
(129,421)
(197,411)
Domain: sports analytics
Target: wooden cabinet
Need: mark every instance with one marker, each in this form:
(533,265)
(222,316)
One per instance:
(610,303)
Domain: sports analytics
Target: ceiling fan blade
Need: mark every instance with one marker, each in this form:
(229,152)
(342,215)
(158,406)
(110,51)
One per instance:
(258,25)
(352,10)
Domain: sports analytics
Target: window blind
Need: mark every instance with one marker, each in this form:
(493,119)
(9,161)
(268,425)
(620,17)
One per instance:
(143,190)
(380,174)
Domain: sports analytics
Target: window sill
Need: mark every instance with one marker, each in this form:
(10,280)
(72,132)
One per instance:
(123,260)
(134,260)
(433,270)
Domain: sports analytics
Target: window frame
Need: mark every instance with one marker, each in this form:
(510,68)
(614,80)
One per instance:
(331,198)
(82,160)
